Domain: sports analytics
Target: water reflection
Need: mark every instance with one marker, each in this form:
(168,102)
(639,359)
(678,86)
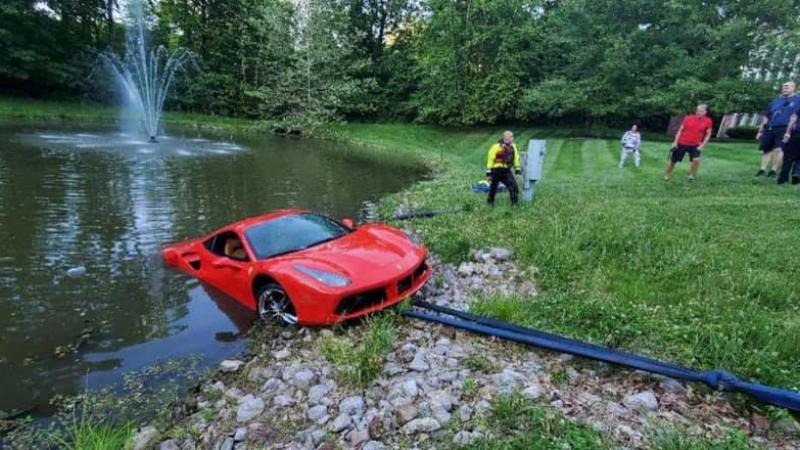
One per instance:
(110,207)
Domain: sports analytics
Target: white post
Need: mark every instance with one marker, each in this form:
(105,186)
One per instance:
(532,167)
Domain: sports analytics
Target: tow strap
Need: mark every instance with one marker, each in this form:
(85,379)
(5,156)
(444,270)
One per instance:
(715,379)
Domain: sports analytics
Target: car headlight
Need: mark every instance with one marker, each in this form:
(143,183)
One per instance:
(326,278)
(413,238)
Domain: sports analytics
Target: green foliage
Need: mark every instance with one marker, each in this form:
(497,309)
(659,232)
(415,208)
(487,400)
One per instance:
(622,261)
(359,362)
(517,423)
(743,132)
(82,434)
(674,439)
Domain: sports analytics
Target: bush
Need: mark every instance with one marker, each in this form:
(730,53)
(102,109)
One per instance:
(742,132)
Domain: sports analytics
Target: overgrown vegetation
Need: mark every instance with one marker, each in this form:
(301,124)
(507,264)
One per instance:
(358,357)
(517,423)
(680,271)
(306,62)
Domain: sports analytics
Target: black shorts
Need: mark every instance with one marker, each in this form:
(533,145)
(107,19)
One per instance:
(791,149)
(772,139)
(681,150)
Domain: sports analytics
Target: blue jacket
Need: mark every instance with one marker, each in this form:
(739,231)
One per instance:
(780,110)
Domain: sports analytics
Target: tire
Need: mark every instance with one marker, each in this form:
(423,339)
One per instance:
(273,304)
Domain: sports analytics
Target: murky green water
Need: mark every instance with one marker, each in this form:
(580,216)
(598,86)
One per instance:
(95,199)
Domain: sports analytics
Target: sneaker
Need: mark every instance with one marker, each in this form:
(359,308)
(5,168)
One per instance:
(771,173)
(795,180)
(667,178)
(760,173)
(691,178)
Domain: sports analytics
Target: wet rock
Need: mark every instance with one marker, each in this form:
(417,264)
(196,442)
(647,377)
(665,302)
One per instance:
(340,423)
(145,438)
(405,414)
(169,444)
(230,365)
(249,408)
(422,425)
(352,405)
(643,400)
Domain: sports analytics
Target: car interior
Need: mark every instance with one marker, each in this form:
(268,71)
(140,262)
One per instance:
(227,244)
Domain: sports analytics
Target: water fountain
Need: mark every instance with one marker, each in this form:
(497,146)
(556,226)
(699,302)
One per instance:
(144,75)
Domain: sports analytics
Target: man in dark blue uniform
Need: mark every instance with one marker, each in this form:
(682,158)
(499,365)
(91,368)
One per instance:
(773,127)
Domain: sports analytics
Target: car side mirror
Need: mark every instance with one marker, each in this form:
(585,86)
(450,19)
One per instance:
(348,223)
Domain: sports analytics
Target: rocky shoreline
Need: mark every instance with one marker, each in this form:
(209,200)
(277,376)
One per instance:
(436,386)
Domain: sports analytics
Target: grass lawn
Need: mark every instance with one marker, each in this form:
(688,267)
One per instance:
(703,274)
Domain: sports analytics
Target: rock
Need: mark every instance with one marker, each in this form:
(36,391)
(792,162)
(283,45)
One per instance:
(465,438)
(352,405)
(230,365)
(565,357)
(224,444)
(787,425)
(169,444)
(441,414)
(464,413)
(500,254)
(409,387)
(405,414)
(374,427)
(145,438)
(373,445)
(615,409)
(358,436)
(282,354)
(317,436)
(643,400)
(630,433)
(240,434)
(341,422)
(508,381)
(483,406)
(249,408)
(418,363)
(318,392)
(75,272)
(283,400)
(326,333)
(533,391)
(760,424)
(673,386)
(273,385)
(422,425)
(318,414)
(303,379)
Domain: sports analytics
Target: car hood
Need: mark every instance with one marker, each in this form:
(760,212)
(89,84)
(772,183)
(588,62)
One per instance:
(369,248)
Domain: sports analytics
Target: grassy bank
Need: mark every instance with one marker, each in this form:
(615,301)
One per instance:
(95,114)
(702,274)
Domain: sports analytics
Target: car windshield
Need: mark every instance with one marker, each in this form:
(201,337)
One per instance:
(292,233)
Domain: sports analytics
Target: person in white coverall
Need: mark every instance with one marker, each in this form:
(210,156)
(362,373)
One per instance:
(631,142)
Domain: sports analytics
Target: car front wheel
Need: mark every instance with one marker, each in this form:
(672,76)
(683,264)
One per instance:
(274,304)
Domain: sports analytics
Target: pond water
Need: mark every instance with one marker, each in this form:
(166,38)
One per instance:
(84,296)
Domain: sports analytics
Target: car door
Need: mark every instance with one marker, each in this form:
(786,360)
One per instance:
(229,275)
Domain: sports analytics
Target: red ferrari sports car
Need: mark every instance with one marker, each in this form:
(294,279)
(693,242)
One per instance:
(300,267)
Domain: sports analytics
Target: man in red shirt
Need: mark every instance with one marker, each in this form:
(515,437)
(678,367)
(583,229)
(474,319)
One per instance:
(692,136)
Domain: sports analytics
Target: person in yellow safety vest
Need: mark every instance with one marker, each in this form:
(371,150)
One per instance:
(503,157)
